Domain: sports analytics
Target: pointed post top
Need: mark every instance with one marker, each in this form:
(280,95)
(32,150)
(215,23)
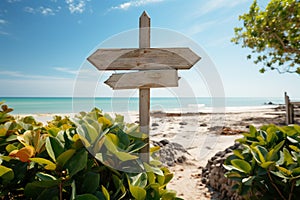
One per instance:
(144,15)
(144,30)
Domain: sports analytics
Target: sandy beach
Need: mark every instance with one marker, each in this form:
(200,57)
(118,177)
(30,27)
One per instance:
(202,135)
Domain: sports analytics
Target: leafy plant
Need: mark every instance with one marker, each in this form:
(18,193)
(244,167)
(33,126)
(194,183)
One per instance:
(57,160)
(272,34)
(268,164)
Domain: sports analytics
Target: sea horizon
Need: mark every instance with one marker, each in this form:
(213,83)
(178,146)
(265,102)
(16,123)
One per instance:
(54,105)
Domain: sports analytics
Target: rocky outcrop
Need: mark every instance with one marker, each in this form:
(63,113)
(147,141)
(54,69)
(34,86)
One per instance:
(171,153)
(213,175)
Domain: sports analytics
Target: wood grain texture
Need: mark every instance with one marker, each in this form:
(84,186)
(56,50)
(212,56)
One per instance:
(143,79)
(144,58)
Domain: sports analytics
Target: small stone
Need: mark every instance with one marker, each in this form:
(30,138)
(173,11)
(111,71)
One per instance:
(155,124)
(183,123)
(164,142)
(181,159)
(203,125)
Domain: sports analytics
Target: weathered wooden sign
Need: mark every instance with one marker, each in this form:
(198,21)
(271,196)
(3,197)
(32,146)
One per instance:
(158,68)
(143,59)
(143,79)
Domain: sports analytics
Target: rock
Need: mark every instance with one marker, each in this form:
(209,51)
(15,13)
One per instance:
(170,152)
(203,125)
(155,124)
(164,142)
(183,123)
(213,175)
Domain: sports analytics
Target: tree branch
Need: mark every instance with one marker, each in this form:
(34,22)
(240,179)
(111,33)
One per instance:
(286,49)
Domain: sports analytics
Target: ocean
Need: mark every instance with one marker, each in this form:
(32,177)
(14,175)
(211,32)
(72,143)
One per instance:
(49,105)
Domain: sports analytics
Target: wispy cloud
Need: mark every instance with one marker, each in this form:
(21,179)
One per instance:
(2,22)
(210,6)
(18,74)
(46,11)
(13,1)
(3,33)
(66,70)
(199,27)
(134,3)
(29,10)
(76,6)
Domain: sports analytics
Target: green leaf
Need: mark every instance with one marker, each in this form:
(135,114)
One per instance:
(233,174)
(296,171)
(54,147)
(292,140)
(90,182)
(288,159)
(238,153)
(137,192)
(6,174)
(267,164)
(252,131)
(88,131)
(160,179)
(42,161)
(45,177)
(242,165)
(63,158)
(169,195)
(153,169)
(123,156)
(279,146)
(53,131)
(105,193)
(77,162)
(10,147)
(139,179)
(295,148)
(151,177)
(284,170)
(262,153)
(43,184)
(248,181)
(86,197)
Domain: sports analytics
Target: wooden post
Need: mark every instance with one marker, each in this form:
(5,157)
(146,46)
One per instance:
(287,108)
(144,93)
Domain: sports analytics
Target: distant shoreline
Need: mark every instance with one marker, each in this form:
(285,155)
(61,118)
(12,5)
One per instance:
(51,105)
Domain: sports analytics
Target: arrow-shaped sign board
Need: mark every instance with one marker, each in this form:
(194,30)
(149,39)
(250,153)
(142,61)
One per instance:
(143,79)
(143,58)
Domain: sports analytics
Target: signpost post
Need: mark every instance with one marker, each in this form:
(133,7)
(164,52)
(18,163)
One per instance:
(158,68)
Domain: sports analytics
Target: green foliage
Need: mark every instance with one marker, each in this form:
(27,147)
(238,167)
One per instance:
(55,161)
(268,164)
(273,35)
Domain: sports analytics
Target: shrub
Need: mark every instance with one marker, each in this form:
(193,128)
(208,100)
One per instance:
(268,165)
(52,161)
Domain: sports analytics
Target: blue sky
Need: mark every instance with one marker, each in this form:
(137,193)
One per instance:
(43,43)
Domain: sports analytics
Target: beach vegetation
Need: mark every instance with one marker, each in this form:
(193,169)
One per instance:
(272,33)
(268,164)
(56,160)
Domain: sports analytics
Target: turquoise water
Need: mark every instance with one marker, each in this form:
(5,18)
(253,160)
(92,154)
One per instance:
(41,105)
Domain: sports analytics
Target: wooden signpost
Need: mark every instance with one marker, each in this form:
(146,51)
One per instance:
(158,68)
